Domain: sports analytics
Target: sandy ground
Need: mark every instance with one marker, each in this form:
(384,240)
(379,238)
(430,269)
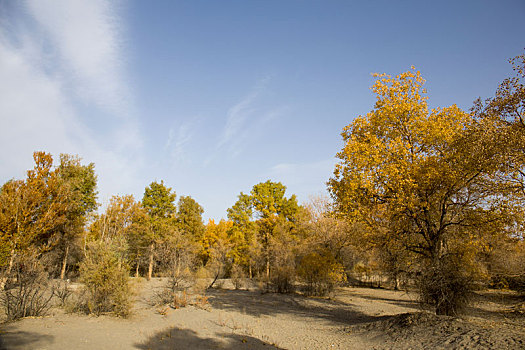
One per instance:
(354,318)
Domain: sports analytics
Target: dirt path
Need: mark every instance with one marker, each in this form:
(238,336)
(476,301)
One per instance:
(235,319)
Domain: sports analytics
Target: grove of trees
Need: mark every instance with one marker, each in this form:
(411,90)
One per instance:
(425,199)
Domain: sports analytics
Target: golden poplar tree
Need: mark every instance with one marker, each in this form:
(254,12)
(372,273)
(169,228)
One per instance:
(409,172)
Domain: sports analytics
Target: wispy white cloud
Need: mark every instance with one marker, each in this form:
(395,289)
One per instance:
(237,117)
(33,111)
(242,113)
(52,53)
(178,138)
(87,38)
(246,119)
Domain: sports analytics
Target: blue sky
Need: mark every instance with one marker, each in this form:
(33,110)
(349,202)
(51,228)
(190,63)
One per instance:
(215,96)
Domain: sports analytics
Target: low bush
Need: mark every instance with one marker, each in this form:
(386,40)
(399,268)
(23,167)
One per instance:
(320,273)
(178,281)
(238,276)
(446,288)
(27,293)
(282,279)
(60,289)
(106,279)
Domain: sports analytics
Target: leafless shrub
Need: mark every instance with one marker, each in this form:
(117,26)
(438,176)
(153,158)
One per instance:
(27,294)
(60,289)
(179,280)
(446,288)
(282,279)
(238,276)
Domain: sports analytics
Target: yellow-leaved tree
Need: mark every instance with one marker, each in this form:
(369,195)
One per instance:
(409,173)
(31,213)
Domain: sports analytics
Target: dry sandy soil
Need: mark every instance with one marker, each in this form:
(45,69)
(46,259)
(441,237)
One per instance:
(355,318)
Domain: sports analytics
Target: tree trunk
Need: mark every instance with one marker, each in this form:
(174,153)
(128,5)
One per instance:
(178,265)
(150,267)
(137,269)
(3,281)
(216,277)
(396,280)
(267,267)
(267,238)
(64,264)
(250,270)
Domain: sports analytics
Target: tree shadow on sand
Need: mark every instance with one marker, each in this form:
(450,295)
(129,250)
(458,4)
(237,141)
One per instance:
(506,306)
(175,338)
(15,340)
(272,304)
(410,304)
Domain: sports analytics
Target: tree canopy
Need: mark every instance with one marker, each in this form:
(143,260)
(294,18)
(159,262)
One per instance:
(411,172)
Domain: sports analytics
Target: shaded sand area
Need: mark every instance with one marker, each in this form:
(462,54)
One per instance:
(355,318)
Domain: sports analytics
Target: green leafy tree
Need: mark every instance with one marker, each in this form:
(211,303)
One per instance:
(159,204)
(243,233)
(189,218)
(262,210)
(82,184)
(270,206)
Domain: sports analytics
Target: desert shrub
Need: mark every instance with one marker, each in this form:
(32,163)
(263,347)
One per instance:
(513,282)
(178,268)
(60,289)
(282,279)
(180,300)
(172,289)
(180,279)
(446,287)
(27,293)
(516,283)
(170,296)
(173,299)
(320,272)
(106,278)
(162,296)
(201,302)
(238,276)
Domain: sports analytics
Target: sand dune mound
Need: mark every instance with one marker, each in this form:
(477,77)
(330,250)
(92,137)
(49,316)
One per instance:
(425,330)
